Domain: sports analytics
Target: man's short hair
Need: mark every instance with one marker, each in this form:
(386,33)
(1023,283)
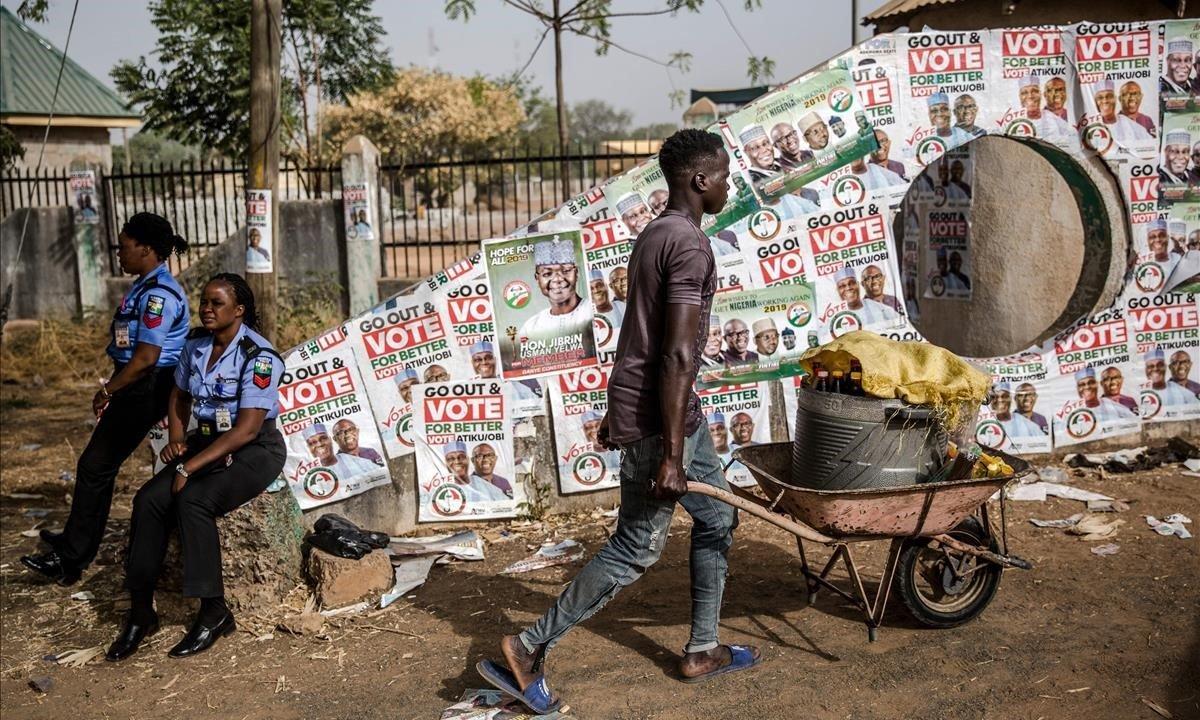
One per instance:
(683,153)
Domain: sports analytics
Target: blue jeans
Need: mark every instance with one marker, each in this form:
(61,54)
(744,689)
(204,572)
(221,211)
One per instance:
(639,540)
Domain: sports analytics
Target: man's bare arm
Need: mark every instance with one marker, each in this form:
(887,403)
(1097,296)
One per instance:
(676,376)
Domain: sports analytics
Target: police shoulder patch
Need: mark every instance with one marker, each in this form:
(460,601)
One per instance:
(262,371)
(153,315)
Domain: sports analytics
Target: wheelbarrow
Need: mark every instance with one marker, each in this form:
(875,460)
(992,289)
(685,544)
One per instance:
(945,561)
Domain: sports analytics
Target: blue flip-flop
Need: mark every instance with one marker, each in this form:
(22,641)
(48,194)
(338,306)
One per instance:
(741,658)
(537,696)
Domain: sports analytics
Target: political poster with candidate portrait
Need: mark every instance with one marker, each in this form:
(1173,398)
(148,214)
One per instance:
(640,195)
(260,235)
(800,132)
(333,448)
(777,259)
(1116,67)
(607,246)
(1179,73)
(947,252)
(874,67)
(580,399)
(356,200)
(1034,85)
(1182,267)
(1166,343)
(1014,421)
(465,467)
(542,304)
(1178,173)
(1091,378)
(851,262)
(737,416)
(399,344)
(946,86)
(758,335)
(83,190)
(1148,223)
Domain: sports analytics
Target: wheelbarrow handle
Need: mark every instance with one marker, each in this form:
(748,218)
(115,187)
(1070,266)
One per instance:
(779,520)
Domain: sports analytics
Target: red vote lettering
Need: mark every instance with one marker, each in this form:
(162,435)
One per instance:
(469,310)
(588,379)
(783,266)
(875,92)
(1091,336)
(488,407)
(600,234)
(1109,47)
(315,389)
(947,59)
(403,335)
(1143,189)
(848,234)
(1170,317)
(1032,43)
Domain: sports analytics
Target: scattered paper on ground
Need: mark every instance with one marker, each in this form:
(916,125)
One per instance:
(1037,492)
(1170,525)
(1064,523)
(1096,527)
(465,545)
(488,704)
(411,573)
(567,551)
(1107,549)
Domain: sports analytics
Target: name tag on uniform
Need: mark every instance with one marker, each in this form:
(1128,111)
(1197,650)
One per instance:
(121,335)
(224,421)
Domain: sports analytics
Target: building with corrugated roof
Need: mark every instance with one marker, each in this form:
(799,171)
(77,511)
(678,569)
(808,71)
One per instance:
(85,111)
(708,106)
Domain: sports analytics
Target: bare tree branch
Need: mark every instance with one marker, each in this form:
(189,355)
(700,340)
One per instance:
(607,42)
(532,55)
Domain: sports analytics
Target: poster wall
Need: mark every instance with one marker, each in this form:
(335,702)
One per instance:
(737,416)
(1178,175)
(1178,76)
(1033,85)
(1086,390)
(758,335)
(579,399)
(465,467)
(544,312)
(1166,336)
(947,86)
(334,450)
(260,236)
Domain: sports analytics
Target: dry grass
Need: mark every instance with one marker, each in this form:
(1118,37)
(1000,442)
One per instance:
(56,352)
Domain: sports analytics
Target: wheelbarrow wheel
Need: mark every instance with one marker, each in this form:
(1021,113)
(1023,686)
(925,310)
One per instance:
(943,587)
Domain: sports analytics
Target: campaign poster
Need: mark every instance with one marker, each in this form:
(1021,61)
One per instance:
(356,201)
(542,305)
(1013,421)
(874,67)
(399,344)
(333,448)
(948,252)
(850,260)
(607,246)
(737,416)
(640,195)
(1090,365)
(260,237)
(1166,340)
(1148,223)
(910,248)
(758,335)
(778,258)
(465,467)
(1178,174)
(800,132)
(949,181)
(1034,87)
(1182,266)
(83,188)
(1179,73)
(1116,66)
(946,87)
(580,399)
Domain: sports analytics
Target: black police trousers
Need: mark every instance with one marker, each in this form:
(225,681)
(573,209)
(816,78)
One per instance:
(130,414)
(209,493)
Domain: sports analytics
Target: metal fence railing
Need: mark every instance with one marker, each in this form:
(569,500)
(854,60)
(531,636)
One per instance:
(204,201)
(434,212)
(50,187)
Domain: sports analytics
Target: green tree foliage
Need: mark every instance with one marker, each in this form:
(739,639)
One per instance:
(11,149)
(196,89)
(150,147)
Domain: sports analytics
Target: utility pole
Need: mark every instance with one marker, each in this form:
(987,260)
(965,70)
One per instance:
(266,17)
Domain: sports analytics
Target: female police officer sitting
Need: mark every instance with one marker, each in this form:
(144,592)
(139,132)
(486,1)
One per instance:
(228,379)
(147,335)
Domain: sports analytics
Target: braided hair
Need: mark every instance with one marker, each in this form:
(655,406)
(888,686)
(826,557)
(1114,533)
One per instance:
(242,295)
(156,232)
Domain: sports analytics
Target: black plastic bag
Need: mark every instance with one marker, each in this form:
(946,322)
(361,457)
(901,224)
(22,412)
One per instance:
(338,536)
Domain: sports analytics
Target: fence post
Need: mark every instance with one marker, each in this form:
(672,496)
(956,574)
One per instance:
(91,250)
(360,190)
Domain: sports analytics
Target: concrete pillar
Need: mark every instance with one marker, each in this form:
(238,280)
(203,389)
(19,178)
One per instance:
(360,193)
(91,248)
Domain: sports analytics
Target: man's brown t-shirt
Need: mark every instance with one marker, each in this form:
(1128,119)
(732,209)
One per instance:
(672,262)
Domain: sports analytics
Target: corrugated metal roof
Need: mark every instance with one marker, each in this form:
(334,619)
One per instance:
(902,7)
(28,68)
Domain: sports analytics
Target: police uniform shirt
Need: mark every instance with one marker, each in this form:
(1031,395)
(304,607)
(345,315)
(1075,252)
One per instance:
(215,391)
(154,312)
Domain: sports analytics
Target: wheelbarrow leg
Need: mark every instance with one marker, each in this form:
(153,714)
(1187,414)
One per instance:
(804,568)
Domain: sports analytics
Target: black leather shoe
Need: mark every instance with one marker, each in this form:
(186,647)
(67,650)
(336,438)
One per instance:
(130,638)
(49,564)
(201,638)
(50,537)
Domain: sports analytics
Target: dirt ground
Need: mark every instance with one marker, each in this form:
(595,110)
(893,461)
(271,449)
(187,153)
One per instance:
(1081,636)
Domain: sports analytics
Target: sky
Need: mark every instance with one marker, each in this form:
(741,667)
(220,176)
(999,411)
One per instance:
(796,34)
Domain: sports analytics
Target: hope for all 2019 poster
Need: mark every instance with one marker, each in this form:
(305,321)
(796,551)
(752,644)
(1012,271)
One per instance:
(334,450)
(542,304)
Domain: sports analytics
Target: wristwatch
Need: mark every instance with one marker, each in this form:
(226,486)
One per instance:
(181,470)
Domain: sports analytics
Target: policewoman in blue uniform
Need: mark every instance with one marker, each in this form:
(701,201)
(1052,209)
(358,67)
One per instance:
(228,380)
(148,331)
